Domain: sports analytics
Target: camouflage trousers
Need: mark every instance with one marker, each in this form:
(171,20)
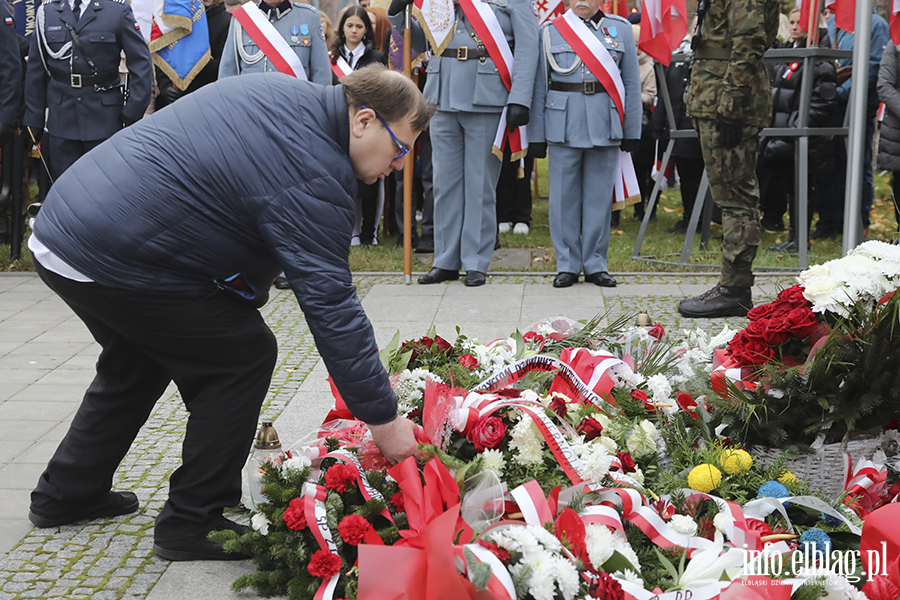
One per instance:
(735,190)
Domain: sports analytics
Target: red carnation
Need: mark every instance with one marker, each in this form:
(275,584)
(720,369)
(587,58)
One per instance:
(533,337)
(294,517)
(488,432)
(628,464)
(794,296)
(558,405)
(353,529)
(398,503)
(469,361)
(497,551)
(657,331)
(590,428)
(604,587)
(338,477)
(801,322)
(324,564)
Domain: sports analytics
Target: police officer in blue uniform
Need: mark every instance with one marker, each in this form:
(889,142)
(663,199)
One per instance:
(578,118)
(10,74)
(298,24)
(465,83)
(73,70)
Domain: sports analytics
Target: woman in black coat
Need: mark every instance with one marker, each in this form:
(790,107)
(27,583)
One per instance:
(889,140)
(354,43)
(776,167)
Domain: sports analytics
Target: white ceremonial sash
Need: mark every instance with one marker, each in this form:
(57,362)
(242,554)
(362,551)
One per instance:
(267,38)
(626,180)
(341,67)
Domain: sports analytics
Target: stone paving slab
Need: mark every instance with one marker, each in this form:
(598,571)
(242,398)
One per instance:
(50,356)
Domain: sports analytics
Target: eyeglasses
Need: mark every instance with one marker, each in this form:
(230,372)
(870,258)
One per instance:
(400,146)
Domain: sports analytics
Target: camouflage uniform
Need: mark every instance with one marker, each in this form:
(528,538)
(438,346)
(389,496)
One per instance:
(729,79)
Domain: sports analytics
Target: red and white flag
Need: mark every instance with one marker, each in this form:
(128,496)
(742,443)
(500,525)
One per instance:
(663,26)
(547,10)
(844,13)
(267,39)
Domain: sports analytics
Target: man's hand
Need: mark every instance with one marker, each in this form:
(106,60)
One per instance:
(34,135)
(397,439)
(538,150)
(398,6)
(844,73)
(516,116)
(729,131)
(6,131)
(630,146)
(172,94)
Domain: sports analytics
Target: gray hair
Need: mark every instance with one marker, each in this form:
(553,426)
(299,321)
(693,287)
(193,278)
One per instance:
(388,93)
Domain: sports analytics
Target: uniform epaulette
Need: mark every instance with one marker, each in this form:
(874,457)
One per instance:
(617,17)
(305,5)
(119,1)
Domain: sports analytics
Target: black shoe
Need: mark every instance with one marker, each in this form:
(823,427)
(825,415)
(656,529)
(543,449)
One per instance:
(425,245)
(198,547)
(112,505)
(564,280)
(720,301)
(820,234)
(436,275)
(772,225)
(282,283)
(474,279)
(603,279)
(682,226)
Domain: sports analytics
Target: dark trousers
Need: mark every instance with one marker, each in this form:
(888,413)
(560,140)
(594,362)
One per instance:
(514,193)
(690,172)
(63,153)
(219,352)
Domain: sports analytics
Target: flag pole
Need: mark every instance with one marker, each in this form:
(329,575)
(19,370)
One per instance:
(408,164)
(812,28)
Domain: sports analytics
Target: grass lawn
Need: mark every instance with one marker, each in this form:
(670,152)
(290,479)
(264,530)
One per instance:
(658,242)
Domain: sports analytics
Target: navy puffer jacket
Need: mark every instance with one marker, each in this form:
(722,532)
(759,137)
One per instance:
(248,175)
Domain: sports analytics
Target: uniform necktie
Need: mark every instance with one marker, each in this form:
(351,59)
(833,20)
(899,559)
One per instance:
(77,10)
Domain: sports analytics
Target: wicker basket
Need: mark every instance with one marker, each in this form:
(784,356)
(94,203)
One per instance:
(824,470)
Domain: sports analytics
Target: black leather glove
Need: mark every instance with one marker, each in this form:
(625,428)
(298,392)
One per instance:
(126,120)
(630,145)
(172,94)
(538,150)
(34,135)
(398,6)
(729,131)
(516,116)
(6,132)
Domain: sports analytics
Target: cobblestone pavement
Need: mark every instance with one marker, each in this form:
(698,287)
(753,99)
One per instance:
(113,558)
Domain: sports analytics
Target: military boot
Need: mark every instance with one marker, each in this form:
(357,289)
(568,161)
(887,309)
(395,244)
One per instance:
(721,301)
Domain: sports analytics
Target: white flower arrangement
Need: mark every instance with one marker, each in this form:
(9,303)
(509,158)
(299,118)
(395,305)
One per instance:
(547,571)
(491,358)
(260,523)
(410,388)
(528,443)
(683,524)
(601,542)
(492,460)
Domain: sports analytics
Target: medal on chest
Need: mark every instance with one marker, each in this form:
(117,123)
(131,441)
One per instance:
(304,29)
(609,36)
(294,32)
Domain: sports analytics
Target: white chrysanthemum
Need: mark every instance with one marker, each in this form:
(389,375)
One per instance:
(527,443)
(624,377)
(595,459)
(836,586)
(410,388)
(660,387)
(541,585)
(492,460)
(297,463)
(683,524)
(601,543)
(629,576)
(260,523)
(566,576)
(722,521)
(545,538)
(608,443)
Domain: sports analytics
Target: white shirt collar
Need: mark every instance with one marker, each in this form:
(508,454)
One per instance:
(354,55)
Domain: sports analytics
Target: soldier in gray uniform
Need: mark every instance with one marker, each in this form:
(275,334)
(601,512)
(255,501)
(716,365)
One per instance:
(301,28)
(578,118)
(73,69)
(465,83)
(10,74)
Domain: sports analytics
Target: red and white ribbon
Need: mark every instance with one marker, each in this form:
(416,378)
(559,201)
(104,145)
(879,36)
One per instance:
(531,501)
(365,488)
(317,520)
(267,38)
(626,180)
(340,67)
(594,55)
(499,571)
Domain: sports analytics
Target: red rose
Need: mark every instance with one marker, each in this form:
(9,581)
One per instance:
(398,503)
(775,332)
(756,330)
(763,311)
(467,360)
(427,342)
(604,587)
(558,405)
(324,564)
(488,432)
(641,396)
(533,337)
(442,344)
(497,551)
(294,517)
(353,529)
(781,309)
(657,331)
(751,352)
(794,296)
(338,477)
(880,587)
(628,464)
(801,322)
(590,428)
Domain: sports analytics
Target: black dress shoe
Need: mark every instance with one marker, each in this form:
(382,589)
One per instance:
(282,283)
(564,280)
(474,278)
(437,275)
(111,505)
(603,279)
(823,234)
(198,547)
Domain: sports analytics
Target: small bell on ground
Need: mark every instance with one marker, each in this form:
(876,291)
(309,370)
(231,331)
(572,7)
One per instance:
(643,320)
(266,448)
